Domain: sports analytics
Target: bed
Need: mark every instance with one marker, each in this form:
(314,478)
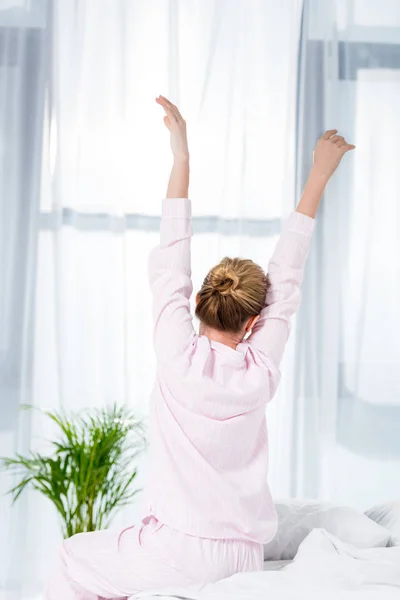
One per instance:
(321,551)
(324,568)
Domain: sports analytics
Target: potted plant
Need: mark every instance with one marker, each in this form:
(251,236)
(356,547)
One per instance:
(90,473)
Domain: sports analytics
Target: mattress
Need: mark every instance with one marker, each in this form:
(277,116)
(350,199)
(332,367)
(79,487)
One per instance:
(275,565)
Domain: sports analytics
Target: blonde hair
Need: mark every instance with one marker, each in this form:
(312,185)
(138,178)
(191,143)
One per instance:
(232,292)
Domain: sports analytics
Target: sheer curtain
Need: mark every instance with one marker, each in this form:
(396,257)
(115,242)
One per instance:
(24,47)
(101,156)
(347,444)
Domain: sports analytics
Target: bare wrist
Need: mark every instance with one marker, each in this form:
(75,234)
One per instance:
(183,159)
(316,171)
(319,176)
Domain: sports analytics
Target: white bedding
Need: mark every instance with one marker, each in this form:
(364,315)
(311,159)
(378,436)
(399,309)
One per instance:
(324,569)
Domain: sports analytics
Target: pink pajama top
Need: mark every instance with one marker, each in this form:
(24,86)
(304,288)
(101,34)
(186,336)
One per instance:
(208,461)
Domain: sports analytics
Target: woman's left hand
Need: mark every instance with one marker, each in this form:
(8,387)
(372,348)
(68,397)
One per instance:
(329,152)
(176,125)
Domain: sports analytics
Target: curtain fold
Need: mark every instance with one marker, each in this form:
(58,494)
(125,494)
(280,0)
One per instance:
(24,46)
(347,446)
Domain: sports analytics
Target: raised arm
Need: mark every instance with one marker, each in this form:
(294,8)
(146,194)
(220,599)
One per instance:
(169,263)
(286,267)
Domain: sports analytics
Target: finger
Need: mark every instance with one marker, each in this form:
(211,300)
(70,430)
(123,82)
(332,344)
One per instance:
(164,102)
(170,104)
(166,106)
(173,107)
(167,122)
(336,138)
(346,148)
(328,134)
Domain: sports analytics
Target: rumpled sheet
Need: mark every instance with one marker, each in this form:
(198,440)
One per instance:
(324,569)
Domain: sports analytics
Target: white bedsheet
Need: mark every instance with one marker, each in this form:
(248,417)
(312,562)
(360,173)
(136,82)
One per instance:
(324,569)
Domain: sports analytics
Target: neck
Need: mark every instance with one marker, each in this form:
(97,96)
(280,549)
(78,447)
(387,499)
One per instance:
(223,337)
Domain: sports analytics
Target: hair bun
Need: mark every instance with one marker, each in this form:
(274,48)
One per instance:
(223,280)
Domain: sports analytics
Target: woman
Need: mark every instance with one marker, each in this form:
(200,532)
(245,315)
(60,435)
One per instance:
(208,509)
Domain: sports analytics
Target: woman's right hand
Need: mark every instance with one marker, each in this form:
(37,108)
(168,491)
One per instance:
(177,127)
(329,151)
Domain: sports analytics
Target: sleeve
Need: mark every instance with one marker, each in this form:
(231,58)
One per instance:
(170,281)
(285,274)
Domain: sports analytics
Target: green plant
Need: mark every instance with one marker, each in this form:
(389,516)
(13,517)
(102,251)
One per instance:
(91,472)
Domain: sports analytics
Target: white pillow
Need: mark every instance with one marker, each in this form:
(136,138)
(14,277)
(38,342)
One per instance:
(296,519)
(388,515)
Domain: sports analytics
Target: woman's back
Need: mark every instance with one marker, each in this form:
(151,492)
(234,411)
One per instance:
(209,451)
(209,445)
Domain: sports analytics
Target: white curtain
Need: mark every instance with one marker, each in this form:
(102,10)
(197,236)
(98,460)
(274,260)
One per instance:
(78,293)
(23,66)
(347,442)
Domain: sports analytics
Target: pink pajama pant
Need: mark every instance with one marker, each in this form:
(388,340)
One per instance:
(106,564)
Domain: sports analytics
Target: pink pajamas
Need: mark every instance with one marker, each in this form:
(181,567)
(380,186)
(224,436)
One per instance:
(107,565)
(207,506)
